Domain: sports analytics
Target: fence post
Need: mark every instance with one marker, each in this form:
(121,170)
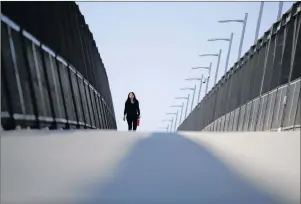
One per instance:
(297,110)
(11,123)
(67,126)
(53,125)
(30,80)
(294,47)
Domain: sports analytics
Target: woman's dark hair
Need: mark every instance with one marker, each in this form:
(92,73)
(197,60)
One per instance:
(129,100)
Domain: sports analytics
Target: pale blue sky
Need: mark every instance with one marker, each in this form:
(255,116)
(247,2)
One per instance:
(150,47)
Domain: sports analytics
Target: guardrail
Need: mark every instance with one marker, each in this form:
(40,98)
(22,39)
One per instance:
(40,89)
(274,61)
(271,111)
(61,26)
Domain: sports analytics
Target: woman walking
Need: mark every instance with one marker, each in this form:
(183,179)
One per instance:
(131,111)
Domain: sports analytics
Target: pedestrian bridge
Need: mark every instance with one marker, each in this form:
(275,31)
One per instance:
(95,166)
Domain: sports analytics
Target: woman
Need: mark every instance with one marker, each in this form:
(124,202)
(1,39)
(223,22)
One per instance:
(131,111)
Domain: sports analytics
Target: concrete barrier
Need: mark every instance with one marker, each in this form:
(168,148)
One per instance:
(121,167)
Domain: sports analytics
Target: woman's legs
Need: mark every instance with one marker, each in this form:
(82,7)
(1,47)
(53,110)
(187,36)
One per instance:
(130,122)
(135,124)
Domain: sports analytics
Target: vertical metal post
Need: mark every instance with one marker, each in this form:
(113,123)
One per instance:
(11,123)
(210,66)
(200,89)
(187,106)
(207,85)
(42,53)
(208,78)
(258,21)
(63,92)
(297,110)
(296,36)
(181,113)
(176,122)
(97,109)
(218,61)
(229,51)
(73,95)
(171,124)
(280,9)
(81,100)
(30,80)
(242,36)
(193,98)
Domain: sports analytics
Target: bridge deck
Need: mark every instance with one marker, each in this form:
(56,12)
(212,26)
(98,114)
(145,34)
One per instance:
(140,168)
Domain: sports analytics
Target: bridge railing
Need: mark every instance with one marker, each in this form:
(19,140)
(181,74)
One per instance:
(40,89)
(271,66)
(264,113)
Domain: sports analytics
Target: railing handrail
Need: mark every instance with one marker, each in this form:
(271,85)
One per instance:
(107,120)
(254,48)
(245,104)
(33,39)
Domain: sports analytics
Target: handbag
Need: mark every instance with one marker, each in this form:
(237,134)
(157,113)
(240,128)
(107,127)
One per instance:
(138,122)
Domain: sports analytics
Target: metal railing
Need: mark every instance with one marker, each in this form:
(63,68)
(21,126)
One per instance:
(40,89)
(62,27)
(240,99)
(264,113)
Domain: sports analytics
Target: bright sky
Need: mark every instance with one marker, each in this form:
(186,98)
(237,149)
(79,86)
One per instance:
(150,47)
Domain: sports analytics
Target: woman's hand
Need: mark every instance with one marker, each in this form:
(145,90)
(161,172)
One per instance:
(124,118)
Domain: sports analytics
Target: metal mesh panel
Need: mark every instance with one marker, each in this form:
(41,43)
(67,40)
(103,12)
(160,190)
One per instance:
(93,94)
(230,124)
(226,122)
(278,110)
(52,75)
(297,122)
(254,111)
(42,86)
(286,58)
(247,118)
(297,63)
(269,65)
(67,91)
(241,117)
(68,35)
(77,96)
(104,114)
(11,70)
(84,101)
(261,112)
(22,71)
(292,100)
(216,125)
(275,79)
(4,96)
(259,69)
(238,91)
(235,120)
(89,103)
(93,106)
(219,124)
(99,111)
(222,123)
(35,77)
(270,110)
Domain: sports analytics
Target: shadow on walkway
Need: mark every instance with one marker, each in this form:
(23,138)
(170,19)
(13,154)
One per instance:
(170,169)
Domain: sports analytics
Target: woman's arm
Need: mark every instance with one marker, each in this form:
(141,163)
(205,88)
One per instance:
(125,109)
(138,109)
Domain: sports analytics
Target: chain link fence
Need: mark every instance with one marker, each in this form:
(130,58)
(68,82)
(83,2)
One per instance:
(262,90)
(40,89)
